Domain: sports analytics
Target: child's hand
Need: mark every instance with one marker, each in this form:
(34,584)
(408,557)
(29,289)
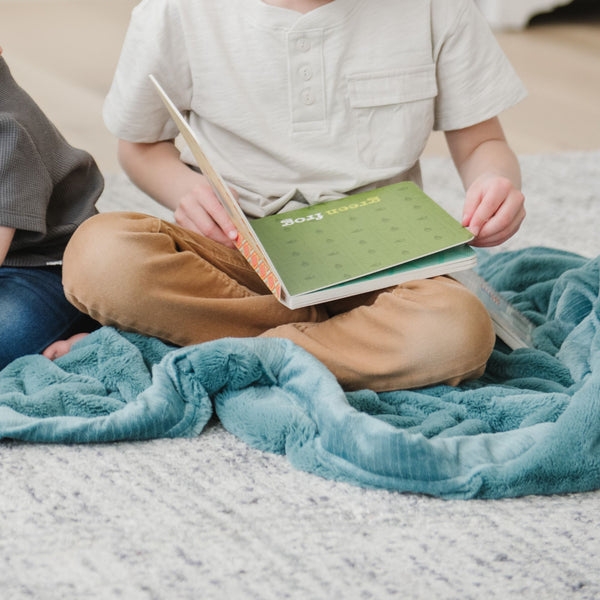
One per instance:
(156,168)
(200,210)
(494,210)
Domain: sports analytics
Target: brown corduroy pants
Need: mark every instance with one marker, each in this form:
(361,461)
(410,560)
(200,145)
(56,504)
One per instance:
(142,274)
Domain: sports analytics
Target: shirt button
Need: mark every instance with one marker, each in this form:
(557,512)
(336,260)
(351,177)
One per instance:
(306,73)
(307,97)
(303,45)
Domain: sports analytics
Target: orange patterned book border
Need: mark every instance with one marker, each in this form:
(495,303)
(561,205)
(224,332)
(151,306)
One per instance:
(259,265)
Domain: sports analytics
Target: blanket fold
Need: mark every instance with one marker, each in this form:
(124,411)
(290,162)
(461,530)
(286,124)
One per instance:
(530,425)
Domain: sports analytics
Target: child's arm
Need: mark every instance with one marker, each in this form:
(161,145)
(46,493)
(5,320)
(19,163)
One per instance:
(494,204)
(6,236)
(157,169)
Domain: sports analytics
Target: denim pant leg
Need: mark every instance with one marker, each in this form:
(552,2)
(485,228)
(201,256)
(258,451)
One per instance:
(34,311)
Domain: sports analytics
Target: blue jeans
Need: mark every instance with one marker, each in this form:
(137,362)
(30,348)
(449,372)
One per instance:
(34,312)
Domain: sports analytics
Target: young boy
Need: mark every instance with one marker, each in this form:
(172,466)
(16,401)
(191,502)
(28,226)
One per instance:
(47,188)
(297,102)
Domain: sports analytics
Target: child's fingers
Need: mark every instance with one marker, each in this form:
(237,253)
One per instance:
(480,195)
(196,219)
(502,225)
(472,200)
(220,216)
(204,214)
(484,203)
(498,230)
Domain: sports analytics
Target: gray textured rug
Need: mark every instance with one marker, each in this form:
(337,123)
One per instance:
(211,518)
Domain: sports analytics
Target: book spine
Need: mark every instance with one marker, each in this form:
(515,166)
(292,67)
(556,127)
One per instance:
(257,262)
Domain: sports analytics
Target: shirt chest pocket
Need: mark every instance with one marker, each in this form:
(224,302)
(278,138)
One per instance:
(393,114)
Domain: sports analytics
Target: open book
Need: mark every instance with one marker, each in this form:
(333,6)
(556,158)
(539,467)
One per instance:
(363,242)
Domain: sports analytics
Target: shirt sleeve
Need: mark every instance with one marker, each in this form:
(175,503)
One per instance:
(475,78)
(154,44)
(25,184)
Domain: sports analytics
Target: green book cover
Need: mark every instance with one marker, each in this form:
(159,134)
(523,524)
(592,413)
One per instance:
(326,244)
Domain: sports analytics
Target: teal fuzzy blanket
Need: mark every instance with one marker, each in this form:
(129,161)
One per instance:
(531,425)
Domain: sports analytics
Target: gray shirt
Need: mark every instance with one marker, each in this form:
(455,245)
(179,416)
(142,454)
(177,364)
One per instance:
(47,187)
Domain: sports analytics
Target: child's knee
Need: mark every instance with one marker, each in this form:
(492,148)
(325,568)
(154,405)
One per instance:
(472,328)
(102,256)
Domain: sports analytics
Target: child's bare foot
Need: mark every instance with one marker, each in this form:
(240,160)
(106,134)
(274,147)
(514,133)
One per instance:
(62,347)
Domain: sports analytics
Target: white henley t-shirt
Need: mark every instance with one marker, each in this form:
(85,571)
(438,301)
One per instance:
(296,108)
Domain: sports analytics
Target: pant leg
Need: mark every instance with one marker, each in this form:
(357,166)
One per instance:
(420,333)
(34,312)
(142,274)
